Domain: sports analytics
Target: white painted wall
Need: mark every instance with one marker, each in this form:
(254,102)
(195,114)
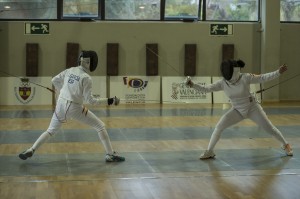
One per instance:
(132,37)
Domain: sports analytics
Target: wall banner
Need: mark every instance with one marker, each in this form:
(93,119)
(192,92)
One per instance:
(174,90)
(135,89)
(23,92)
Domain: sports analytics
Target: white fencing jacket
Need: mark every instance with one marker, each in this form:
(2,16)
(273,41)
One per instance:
(75,84)
(239,92)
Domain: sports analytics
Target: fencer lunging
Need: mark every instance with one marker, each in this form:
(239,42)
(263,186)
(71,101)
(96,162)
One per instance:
(74,86)
(236,86)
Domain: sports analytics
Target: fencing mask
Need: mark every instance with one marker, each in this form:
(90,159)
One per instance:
(88,59)
(230,69)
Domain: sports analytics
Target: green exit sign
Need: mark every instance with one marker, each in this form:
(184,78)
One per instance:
(37,28)
(221,29)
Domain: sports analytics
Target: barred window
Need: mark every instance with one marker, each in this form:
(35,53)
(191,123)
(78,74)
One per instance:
(132,9)
(290,10)
(182,9)
(213,10)
(34,9)
(80,8)
(232,10)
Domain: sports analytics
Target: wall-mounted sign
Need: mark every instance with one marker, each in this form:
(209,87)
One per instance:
(221,29)
(135,89)
(174,90)
(37,28)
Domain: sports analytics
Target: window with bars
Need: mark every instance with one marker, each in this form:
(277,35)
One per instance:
(203,10)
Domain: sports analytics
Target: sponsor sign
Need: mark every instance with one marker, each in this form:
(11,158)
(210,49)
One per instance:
(135,89)
(174,90)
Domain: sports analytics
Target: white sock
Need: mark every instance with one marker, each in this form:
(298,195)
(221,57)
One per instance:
(42,139)
(105,141)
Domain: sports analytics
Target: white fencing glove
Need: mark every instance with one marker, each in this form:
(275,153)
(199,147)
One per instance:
(113,101)
(188,82)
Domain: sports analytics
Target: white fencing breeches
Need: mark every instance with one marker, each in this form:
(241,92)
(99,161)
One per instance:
(66,110)
(255,113)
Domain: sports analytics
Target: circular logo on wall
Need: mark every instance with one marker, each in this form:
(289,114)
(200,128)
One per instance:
(136,88)
(135,83)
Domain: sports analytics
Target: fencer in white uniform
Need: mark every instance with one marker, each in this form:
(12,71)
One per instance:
(74,86)
(236,86)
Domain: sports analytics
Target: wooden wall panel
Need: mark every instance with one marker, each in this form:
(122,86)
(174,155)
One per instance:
(112,59)
(151,59)
(72,55)
(190,55)
(227,51)
(32,59)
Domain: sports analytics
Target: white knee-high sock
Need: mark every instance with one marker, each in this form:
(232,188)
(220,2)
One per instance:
(278,135)
(105,141)
(42,139)
(214,139)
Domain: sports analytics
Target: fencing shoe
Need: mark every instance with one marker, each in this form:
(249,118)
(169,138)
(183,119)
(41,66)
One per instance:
(114,158)
(207,155)
(288,149)
(26,154)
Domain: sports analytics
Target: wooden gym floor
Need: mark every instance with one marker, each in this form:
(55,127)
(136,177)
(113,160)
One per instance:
(161,144)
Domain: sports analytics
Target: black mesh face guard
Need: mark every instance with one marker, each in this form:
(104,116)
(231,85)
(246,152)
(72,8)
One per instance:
(93,58)
(226,69)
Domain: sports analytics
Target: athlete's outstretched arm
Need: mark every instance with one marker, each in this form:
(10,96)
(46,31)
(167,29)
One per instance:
(253,79)
(92,99)
(217,86)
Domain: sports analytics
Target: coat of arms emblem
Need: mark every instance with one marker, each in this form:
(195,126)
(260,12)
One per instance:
(24,89)
(24,92)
